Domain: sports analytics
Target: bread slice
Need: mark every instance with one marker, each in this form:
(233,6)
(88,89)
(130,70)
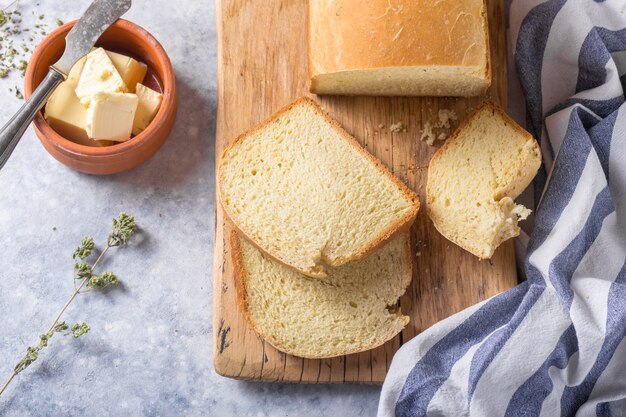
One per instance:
(352,310)
(404,47)
(474,177)
(305,192)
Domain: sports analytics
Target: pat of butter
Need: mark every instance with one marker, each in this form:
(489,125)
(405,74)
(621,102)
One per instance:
(131,70)
(98,75)
(64,112)
(77,69)
(110,116)
(149,103)
(66,115)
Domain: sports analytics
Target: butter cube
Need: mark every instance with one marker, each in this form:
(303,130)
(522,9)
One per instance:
(98,75)
(110,116)
(131,70)
(77,69)
(66,115)
(149,103)
(64,112)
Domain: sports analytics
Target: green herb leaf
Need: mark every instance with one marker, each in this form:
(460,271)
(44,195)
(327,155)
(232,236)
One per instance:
(61,327)
(123,228)
(103,281)
(31,356)
(85,249)
(82,270)
(22,65)
(79,329)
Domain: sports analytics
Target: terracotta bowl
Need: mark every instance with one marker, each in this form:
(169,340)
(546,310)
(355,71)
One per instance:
(127,38)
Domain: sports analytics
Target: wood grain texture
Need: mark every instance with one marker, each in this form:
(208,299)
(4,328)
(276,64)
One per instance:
(262,66)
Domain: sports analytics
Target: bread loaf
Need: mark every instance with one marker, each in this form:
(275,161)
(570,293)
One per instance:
(306,193)
(416,47)
(353,310)
(474,177)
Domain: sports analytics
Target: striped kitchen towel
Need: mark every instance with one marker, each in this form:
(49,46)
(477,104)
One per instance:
(555,345)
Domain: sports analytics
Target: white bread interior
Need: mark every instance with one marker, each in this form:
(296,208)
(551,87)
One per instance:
(305,192)
(352,310)
(474,178)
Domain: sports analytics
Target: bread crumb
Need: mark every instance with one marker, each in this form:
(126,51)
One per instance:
(381,126)
(445,116)
(521,212)
(428,136)
(398,128)
(469,110)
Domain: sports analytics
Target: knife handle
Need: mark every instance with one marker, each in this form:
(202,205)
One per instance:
(12,132)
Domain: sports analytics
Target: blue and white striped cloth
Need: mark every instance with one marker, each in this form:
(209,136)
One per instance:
(555,345)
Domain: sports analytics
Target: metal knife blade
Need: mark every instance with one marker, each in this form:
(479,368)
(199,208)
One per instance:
(83,36)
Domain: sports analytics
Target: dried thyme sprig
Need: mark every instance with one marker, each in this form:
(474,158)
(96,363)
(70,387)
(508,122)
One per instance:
(123,228)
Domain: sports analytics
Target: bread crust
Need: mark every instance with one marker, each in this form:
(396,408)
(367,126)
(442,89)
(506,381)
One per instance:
(313,74)
(240,276)
(488,75)
(451,140)
(384,236)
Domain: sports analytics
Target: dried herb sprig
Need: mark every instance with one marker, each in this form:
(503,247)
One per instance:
(123,228)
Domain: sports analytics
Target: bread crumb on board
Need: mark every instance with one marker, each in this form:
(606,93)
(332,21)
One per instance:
(445,116)
(428,136)
(398,128)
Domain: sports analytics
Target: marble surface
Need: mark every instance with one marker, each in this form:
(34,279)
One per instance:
(149,351)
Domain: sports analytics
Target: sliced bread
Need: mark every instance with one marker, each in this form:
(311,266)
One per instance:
(305,192)
(352,310)
(474,177)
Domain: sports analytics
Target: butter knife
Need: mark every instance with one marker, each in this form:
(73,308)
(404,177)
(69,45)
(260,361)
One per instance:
(78,42)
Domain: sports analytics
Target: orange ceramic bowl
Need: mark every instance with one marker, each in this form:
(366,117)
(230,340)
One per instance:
(132,40)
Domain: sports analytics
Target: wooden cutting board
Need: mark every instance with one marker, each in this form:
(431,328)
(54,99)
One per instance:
(262,66)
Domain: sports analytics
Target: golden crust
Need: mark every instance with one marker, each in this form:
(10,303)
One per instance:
(402,224)
(488,75)
(240,276)
(403,52)
(450,141)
